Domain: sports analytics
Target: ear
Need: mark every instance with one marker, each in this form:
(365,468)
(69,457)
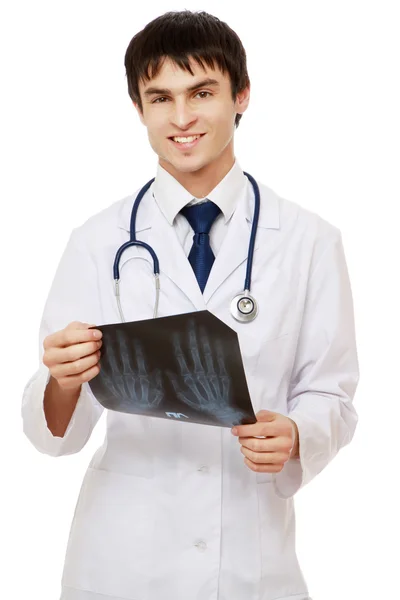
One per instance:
(135,104)
(242,100)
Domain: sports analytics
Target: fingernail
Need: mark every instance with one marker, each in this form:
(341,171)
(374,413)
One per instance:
(234,431)
(97,334)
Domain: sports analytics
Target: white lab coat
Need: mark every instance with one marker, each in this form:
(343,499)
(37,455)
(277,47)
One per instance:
(169,510)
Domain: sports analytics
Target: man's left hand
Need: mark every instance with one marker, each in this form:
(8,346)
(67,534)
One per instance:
(268,444)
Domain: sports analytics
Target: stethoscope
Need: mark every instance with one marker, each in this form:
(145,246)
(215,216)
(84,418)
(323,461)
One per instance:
(243,307)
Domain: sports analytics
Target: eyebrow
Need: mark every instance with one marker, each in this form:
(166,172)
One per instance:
(204,83)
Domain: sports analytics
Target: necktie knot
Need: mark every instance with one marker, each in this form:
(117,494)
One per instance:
(201,216)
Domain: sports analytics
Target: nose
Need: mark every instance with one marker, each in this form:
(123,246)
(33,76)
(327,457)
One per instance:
(182,115)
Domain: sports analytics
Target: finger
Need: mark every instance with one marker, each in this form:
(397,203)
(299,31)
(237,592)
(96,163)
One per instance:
(109,352)
(203,389)
(179,355)
(56,356)
(224,378)
(226,390)
(79,325)
(174,381)
(69,336)
(194,350)
(213,380)
(208,355)
(157,377)
(268,458)
(173,378)
(73,381)
(276,444)
(193,388)
(124,352)
(220,358)
(266,415)
(256,429)
(262,468)
(141,363)
(76,367)
(214,387)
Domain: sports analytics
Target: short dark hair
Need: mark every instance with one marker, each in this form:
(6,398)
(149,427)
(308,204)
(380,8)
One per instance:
(182,35)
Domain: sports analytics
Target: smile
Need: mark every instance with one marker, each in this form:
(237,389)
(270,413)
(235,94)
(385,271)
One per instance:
(188,142)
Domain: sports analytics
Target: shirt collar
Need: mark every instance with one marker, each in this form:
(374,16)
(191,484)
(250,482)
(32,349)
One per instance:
(171,196)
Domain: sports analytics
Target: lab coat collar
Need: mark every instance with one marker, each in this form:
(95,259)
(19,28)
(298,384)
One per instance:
(156,231)
(171,196)
(268,219)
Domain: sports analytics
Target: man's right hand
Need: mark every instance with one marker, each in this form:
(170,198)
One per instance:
(72,355)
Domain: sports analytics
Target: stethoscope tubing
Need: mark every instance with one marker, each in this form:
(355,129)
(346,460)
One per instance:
(156,266)
(254,225)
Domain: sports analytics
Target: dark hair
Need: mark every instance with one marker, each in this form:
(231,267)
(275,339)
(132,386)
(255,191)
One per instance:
(181,36)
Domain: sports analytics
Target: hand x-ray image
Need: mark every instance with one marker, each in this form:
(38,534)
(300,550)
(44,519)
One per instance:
(185,367)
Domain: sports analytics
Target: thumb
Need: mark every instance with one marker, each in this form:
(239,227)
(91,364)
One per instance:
(79,325)
(266,416)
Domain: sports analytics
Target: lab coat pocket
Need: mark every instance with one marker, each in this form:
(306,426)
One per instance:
(109,550)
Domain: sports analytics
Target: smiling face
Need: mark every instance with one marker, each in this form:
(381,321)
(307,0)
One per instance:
(176,103)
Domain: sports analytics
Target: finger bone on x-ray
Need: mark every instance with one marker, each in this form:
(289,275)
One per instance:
(204,388)
(134,385)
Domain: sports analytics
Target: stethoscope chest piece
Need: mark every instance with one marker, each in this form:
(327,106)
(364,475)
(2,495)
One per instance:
(244,307)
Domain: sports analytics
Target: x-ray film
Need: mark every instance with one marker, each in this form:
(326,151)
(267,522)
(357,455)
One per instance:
(187,367)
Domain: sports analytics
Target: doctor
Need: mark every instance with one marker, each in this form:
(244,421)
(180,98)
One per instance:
(185,511)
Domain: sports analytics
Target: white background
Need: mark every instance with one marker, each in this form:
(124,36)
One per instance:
(322,130)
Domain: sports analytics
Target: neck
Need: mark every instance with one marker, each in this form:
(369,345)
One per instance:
(201,182)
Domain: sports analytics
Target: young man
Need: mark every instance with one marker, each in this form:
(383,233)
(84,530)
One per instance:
(186,511)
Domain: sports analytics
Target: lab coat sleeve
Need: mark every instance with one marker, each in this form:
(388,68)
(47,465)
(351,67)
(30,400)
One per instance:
(73,297)
(325,373)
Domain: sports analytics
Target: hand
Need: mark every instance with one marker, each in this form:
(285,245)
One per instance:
(279,442)
(130,383)
(204,383)
(72,354)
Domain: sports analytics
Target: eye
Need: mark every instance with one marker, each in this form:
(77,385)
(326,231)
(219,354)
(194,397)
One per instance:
(209,93)
(158,100)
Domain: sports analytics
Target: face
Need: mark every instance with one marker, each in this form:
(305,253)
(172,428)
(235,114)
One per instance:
(176,103)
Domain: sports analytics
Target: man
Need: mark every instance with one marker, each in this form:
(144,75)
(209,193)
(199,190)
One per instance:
(185,511)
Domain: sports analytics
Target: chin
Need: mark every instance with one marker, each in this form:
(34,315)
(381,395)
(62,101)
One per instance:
(188,164)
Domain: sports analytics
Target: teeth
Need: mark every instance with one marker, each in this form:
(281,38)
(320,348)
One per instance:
(185,140)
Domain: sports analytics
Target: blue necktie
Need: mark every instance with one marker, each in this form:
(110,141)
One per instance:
(201,257)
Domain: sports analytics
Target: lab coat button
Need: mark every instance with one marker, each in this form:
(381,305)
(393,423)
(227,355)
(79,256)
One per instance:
(201,546)
(204,469)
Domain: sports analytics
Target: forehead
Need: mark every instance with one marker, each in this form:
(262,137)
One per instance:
(173,76)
